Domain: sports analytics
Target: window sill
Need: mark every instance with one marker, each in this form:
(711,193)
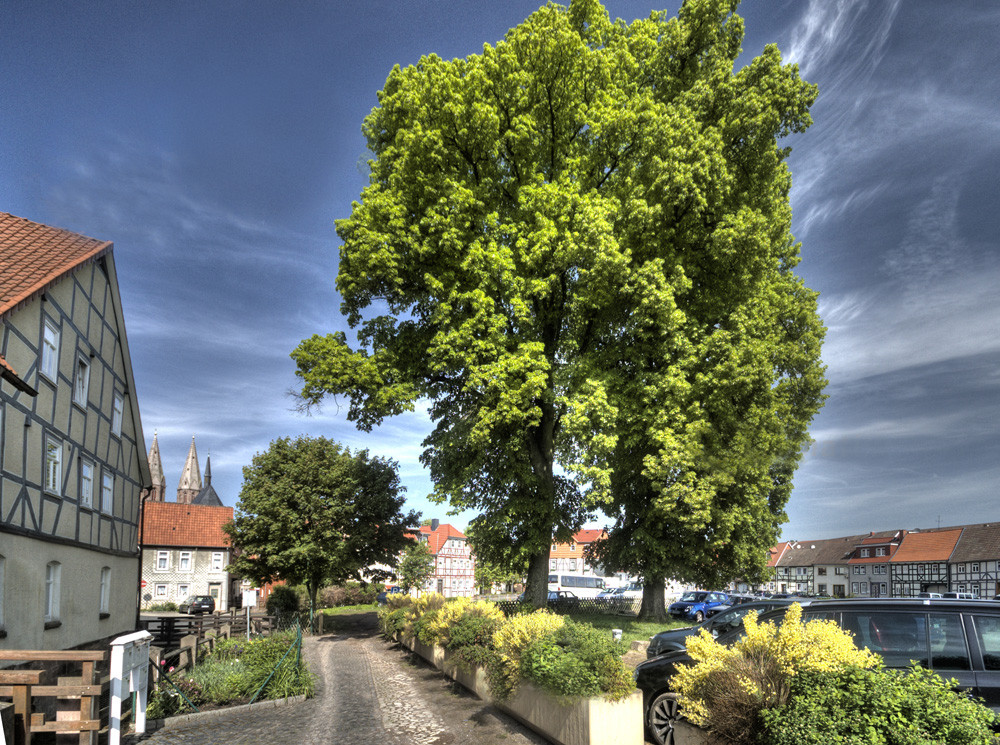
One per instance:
(55,624)
(103,616)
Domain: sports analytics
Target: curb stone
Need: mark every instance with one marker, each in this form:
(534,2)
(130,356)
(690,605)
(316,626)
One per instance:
(153,725)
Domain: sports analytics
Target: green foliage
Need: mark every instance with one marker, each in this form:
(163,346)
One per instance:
(471,638)
(350,593)
(855,706)
(510,641)
(165,700)
(312,512)
(578,660)
(237,668)
(283,601)
(163,607)
(415,567)
(727,687)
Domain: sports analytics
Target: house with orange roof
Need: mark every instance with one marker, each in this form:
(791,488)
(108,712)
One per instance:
(920,564)
(72,465)
(186,552)
(869,564)
(454,565)
(571,556)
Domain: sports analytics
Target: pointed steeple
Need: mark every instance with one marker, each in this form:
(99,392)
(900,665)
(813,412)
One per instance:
(159,490)
(190,483)
(207,496)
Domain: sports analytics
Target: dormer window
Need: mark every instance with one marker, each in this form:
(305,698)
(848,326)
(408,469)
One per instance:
(865,553)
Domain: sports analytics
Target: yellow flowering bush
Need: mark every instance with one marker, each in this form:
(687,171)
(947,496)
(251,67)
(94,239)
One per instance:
(457,609)
(510,641)
(418,609)
(728,687)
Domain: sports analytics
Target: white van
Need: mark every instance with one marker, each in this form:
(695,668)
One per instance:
(583,586)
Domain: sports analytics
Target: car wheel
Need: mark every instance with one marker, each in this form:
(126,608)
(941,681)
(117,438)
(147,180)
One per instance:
(699,617)
(661,718)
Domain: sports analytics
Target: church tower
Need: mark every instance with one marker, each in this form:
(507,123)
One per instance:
(207,496)
(190,484)
(158,493)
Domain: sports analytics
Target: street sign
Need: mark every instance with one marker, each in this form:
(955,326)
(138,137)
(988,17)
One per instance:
(142,584)
(129,672)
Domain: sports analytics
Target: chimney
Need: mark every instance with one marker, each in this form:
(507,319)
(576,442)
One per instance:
(434,524)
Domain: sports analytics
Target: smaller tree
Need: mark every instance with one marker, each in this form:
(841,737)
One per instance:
(489,574)
(416,566)
(312,513)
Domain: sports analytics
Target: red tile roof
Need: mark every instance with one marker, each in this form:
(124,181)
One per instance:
(173,524)
(574,549)
(436,538)
(33,256)
(936,545)
(776,552)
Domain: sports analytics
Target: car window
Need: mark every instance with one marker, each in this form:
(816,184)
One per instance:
(897,637)
(948,648)
(988,633)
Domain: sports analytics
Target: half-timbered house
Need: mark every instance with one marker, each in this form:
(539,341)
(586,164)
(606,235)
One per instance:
(920,564)
(975,563)
(454,565)
(72,456)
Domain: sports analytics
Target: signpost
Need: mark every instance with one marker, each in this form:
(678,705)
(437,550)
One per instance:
(129,672)
(249,601)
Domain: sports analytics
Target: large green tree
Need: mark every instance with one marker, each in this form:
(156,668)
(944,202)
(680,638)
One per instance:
(312,512)
(535,214)
(415,567)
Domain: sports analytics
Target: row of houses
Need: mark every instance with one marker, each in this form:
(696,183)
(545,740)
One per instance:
(899,563)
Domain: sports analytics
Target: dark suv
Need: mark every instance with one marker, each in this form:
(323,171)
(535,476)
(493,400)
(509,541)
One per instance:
(958,638)
(198,604)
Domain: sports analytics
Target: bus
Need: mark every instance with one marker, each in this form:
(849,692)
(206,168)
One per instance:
(583,586)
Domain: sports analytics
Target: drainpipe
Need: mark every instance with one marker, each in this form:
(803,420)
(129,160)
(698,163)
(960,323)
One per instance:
(146,492)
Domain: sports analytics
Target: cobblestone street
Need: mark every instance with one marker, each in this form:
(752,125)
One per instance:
(368,691)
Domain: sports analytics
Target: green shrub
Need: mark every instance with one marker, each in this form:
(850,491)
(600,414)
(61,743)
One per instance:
(424,627)
(165,700)
(510,640)
(856,706)
(577,660)
(163,607)
(283,601)
(237,668)
(471,639)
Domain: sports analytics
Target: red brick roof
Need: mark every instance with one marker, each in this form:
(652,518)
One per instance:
(33,256)
(173,524)
(936,545)
(574,549)
(436,538)
(776,552)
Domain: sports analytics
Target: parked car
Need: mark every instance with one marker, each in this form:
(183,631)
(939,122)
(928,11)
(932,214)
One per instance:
(734,600)
(195,604)
(695,604)
(959,638)
(562,600)
(675,640)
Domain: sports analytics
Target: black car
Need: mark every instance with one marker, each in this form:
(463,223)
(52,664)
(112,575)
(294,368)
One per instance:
(958,638)
(562,600)
(734,600)
(197,604)
(674,640)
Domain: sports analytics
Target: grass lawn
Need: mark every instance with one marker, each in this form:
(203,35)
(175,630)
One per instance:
(343,610)
(631,628)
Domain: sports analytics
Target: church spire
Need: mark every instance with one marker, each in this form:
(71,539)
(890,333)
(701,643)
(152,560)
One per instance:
(159,490)
(190,483)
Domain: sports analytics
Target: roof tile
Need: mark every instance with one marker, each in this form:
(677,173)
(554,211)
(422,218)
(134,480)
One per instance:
(173,524)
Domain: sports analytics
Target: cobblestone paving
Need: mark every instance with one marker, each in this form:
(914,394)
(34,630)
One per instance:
(368,692)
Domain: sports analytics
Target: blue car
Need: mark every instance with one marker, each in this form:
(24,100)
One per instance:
(695,604)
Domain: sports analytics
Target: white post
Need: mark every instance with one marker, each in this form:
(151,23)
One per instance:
(129,662)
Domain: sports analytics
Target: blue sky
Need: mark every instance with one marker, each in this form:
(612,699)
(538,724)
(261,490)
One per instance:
(215,143)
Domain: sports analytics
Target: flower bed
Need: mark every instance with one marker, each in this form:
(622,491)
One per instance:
(565,680)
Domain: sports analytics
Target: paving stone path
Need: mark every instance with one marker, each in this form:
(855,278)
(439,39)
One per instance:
(368,692)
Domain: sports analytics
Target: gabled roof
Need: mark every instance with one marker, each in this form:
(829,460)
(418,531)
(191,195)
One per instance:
(588,535)
(574,549)
(978,542)
(195,526)
(33,256)
(775,553)
(935,545)
(437,538)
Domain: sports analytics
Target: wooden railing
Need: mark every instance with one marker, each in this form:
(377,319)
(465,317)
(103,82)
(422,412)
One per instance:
(23,686)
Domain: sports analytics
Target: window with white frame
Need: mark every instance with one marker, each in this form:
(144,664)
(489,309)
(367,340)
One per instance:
(105,589)
(865,553)
(162,560)
(53,579)
(859,570)
(160,590)
(855,588)
(184,562)
(864,588)
(183,591)
(107,491)
(86,483)
(880,551)
(217,561)
(50,350)
(117,411)
(53,465)
(81,381)
(840,570)
(878,569)
(975,566)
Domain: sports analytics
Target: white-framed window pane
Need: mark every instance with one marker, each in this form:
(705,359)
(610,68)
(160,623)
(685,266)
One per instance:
(183,591)
(217,562)
(86,484)
(81,384)
(160,591)
(162,559)
(105,589)
(53,576)
(118,407)
(185,561)
(53,466)
(50,350)
(107,491)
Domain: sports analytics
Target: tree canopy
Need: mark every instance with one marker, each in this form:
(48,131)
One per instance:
(576,246)
(311,512)
(415,567)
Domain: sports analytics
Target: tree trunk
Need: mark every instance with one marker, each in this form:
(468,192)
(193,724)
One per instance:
(537,590)
(653,606)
